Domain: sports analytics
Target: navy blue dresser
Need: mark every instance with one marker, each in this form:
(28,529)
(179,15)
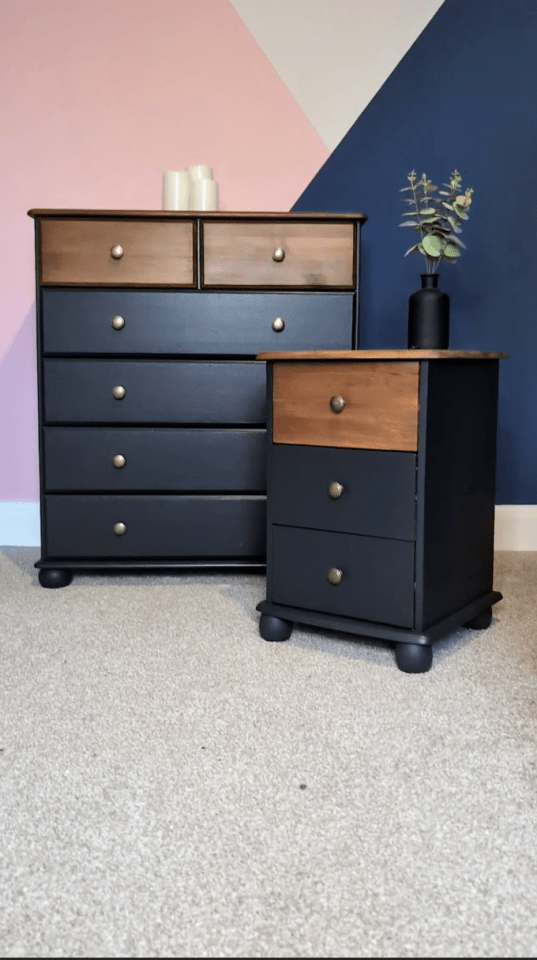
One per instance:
(152,404)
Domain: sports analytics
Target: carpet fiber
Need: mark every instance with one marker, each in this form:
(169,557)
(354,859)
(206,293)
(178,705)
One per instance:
(172,785)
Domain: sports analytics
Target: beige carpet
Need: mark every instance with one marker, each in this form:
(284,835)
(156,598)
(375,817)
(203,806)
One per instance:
(172,785)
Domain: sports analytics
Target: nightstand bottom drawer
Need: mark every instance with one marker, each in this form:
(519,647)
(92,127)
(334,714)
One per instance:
(139,527)
(377,575)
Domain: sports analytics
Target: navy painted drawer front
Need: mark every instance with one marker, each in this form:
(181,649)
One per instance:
(157,322)
(165,459)
(378,497)
(156,391)
(377,582)
(157,527)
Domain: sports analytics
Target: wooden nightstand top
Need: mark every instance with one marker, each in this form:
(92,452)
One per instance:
(358,355)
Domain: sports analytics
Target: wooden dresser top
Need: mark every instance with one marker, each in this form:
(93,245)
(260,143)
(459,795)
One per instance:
(189,214)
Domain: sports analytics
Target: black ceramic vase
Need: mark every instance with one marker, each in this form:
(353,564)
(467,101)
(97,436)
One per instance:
(428,315)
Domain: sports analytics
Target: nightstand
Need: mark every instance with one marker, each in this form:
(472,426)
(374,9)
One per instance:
(381,473)
(151,400)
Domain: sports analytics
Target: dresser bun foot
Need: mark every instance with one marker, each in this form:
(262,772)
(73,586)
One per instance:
(481,621)
(55,578)
(413,657)
(274,629)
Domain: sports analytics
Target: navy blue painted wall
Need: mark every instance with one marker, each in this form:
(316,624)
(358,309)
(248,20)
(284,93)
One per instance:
(465,97)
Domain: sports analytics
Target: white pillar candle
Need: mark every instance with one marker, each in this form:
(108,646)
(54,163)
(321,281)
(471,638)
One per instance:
(175,190)
(204,195)
(200,172)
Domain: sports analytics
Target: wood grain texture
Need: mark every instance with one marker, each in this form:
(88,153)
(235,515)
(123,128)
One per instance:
(187,214)
(381,404)
(361,355)
(317,255)
(77,253)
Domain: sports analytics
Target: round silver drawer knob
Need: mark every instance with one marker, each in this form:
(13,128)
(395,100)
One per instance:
(334,576)
(117,252)
(278,254)
(119,392)
(335,490)
(337,404)
(119,529)
(118,461)
(278,324)
(118,323)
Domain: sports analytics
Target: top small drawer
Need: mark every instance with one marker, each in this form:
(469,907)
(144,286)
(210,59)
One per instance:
(116,253)
(362,404)
(278,254)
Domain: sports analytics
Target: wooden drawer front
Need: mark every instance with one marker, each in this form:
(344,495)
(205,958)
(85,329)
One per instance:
(163,321)
(380,412)
(377,497)
(377,582)
(165,459)
(241,254)
(78,252)
(156,391)
(156,527)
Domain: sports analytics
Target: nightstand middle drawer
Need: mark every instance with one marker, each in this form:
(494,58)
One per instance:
(368,492)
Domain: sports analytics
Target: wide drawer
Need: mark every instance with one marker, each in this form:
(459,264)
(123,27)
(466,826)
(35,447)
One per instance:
(369,492)
(116,252)
(278,254)
(364,404)
(166,321)
(83,527)
(155,391)
(167,459)
(377,575)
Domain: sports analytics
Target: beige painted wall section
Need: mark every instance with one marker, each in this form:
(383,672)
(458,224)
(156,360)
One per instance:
(334,55)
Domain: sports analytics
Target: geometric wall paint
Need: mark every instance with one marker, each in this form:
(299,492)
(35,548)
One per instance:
(334,56)
(99,97)
(462,97)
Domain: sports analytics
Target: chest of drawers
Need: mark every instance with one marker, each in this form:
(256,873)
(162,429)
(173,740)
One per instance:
(381,490)
(152,404)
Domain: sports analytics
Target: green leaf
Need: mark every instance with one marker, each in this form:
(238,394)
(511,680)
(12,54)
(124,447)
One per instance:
(433,246)
(430,220)
(409,223)
(461,213)
(402,190)
(448,205)
(426,211)
(412,249)
(456,240)
(451,251)
(409,214)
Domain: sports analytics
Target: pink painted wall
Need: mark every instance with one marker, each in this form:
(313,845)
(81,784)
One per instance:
(101,96)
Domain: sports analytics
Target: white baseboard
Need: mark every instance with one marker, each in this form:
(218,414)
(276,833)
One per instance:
(515,525)
(19,523)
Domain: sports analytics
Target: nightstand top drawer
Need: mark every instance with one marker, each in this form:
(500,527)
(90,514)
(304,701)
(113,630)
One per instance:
(116,252)
(369,406)
(306,255)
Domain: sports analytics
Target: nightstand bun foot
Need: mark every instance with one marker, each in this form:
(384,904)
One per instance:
(274,629)
(49,577)
(413,657)
(481,621)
